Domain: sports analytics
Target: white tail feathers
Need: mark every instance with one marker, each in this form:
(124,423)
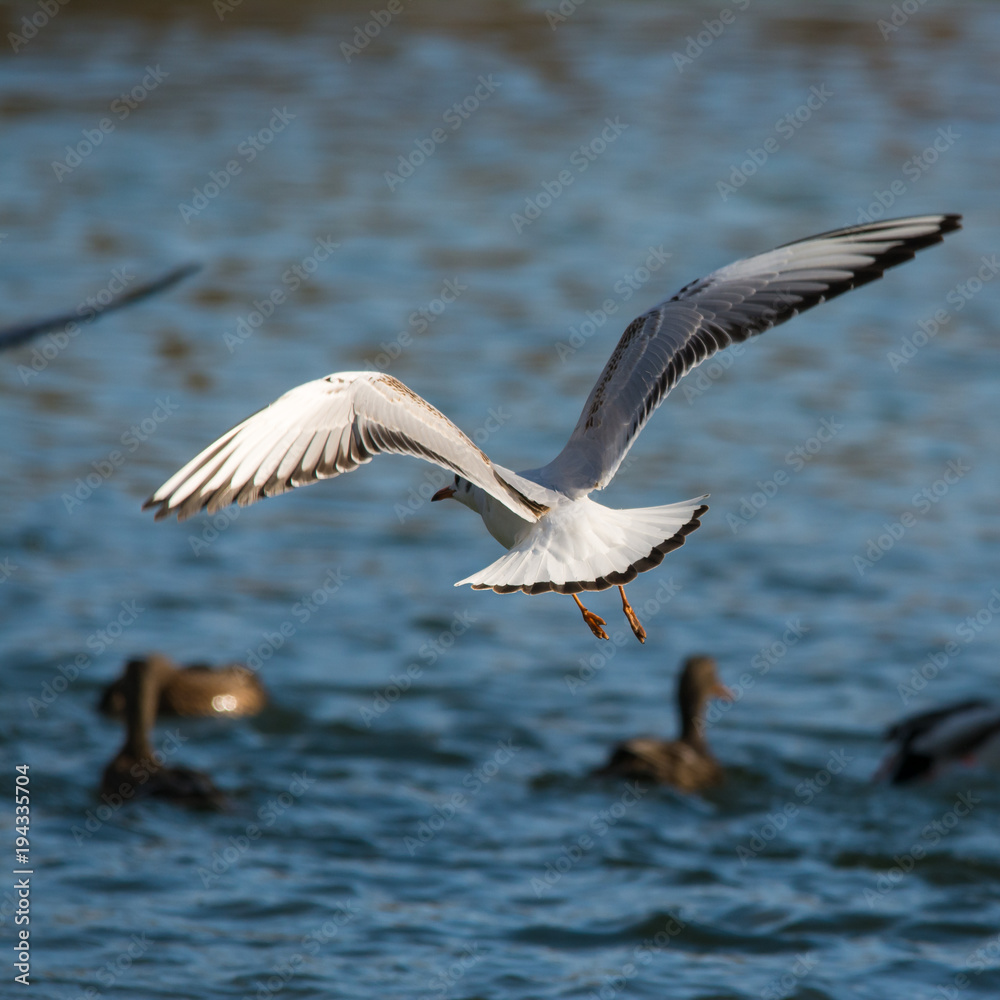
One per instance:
(584,546)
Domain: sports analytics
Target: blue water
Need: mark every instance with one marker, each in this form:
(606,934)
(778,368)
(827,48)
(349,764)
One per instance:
(412,817)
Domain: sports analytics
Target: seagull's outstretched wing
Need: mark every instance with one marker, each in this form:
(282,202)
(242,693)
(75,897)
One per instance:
(726,307)
(319,430)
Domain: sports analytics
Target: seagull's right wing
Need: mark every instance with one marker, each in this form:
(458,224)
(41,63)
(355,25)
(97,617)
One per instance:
(319,430)
(726,307)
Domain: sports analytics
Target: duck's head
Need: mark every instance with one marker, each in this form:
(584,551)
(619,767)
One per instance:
(699,682)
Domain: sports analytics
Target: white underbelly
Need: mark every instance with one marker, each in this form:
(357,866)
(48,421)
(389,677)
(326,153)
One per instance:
(503,524)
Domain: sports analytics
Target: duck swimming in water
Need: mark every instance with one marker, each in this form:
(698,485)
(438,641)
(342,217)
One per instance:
(232,689)
(686,763)
(966,732)
(139,771)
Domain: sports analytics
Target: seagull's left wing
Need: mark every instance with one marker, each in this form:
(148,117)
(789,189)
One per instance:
(324,428)
(726,307)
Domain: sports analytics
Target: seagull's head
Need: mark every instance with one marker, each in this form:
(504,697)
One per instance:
(461,490)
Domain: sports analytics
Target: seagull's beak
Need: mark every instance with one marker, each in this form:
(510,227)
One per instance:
(721,691)
(448,491)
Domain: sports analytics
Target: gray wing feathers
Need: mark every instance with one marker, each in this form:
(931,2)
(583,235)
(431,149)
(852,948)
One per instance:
(726,307)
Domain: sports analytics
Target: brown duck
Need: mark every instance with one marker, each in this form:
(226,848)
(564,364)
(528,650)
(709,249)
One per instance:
(685,763)
(139,771)
(195,690)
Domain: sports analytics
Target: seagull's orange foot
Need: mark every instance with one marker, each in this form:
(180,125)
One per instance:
(593,621)
(633,620)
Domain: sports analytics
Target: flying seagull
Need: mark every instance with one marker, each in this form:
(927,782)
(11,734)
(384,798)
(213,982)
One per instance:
(558,539)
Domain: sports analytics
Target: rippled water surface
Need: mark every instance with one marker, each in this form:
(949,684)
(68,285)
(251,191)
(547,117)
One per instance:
(413,817)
